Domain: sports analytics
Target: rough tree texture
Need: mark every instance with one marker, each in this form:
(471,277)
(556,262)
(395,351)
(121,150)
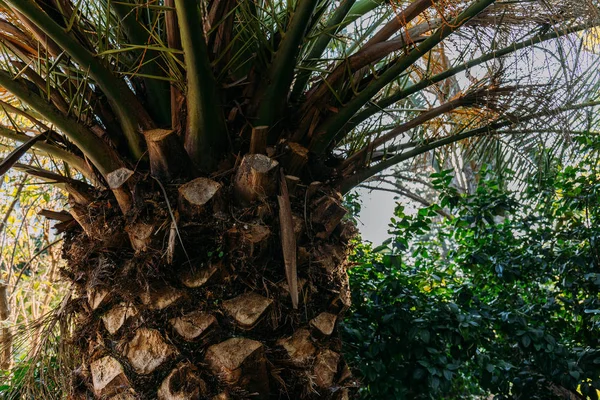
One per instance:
(217,323)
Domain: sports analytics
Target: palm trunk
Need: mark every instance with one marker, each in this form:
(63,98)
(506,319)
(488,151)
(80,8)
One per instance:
(219,321)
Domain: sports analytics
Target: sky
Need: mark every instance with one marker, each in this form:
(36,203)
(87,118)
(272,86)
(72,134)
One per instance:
(377,209)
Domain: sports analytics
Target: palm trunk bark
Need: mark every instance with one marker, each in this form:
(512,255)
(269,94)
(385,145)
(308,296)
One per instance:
(218,322)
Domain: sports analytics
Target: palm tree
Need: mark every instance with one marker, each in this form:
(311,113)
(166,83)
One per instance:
(204,146)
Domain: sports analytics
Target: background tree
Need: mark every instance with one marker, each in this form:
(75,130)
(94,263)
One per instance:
(31,260)
(203,145)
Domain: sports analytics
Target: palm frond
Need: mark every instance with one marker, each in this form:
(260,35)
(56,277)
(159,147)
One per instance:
(350,79)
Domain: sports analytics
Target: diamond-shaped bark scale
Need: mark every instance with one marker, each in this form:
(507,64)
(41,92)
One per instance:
(108,376)
(159,297)
(324,323)
(183,383)
(247,309)
(193,325)
(240,362)
(129,395)
(115,318)
(147,351)
(196,277)
(326,368)
(97,297)
(299,346)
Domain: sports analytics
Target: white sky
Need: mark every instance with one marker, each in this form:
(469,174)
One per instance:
(377,209)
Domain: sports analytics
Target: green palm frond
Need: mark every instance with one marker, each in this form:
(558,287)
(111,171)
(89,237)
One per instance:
(367,81)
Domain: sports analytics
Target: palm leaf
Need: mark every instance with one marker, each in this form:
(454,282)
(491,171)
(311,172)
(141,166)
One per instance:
(10,160)
(334,76)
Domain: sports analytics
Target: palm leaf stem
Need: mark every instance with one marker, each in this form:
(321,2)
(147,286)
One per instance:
(92,146)
(361,155)
(281,70)
(359,9)
(399,21)
(367,56)
(425,83)
(130,112)
(206,133)
(174,42)
(53,151)
(327,34)
(330,128)
(156,90)
(490,129)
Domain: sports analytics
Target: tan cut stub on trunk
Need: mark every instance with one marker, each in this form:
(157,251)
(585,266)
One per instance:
(196,277)
(140,235)
(159,297)
(148,351)
(301,286)
(193,325)
(240,362)
(247,309)
(118,177)
(328,257)
(199,196)
(346,373)
(299,346)
(256,178)
(97,297)
(114,318)
(108,377)
(167,155)
(324,323)
(258,140)
(346,230)
(295,158)
(183,383)
(326,368)
(342,299)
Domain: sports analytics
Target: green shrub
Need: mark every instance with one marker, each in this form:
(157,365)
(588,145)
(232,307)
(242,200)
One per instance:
(501,299)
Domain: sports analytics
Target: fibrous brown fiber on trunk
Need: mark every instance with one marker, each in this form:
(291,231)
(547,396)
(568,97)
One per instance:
(218,321)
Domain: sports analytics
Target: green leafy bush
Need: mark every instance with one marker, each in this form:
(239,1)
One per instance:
(502,299)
